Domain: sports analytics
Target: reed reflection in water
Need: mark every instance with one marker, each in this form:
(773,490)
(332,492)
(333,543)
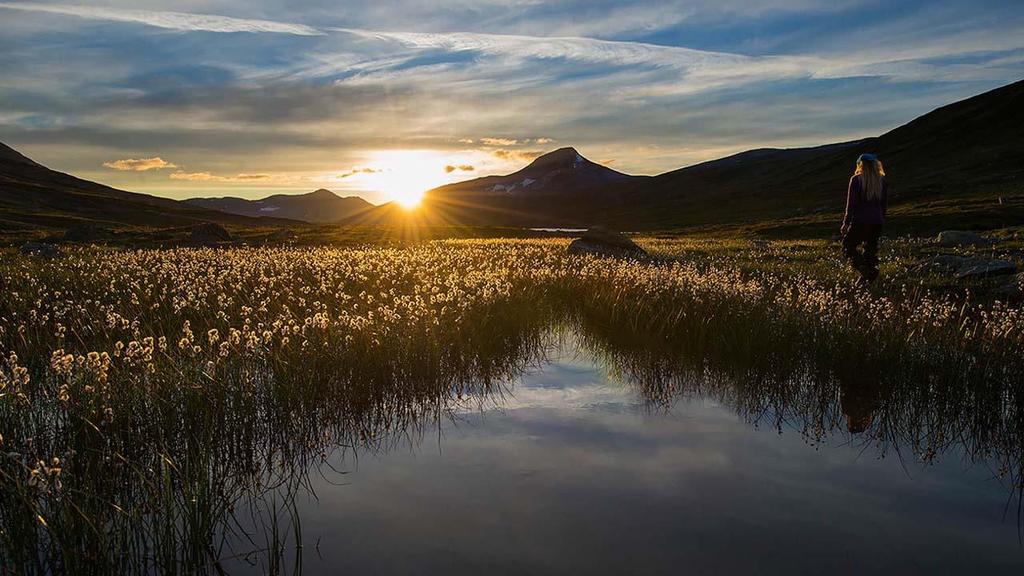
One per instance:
(574,472)
(244,476)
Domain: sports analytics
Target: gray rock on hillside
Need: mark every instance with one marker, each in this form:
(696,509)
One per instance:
(985,267)
(600,241)
(209,233)
(39,250)
(283,235)
(967,267)
(961,238)
(942,263)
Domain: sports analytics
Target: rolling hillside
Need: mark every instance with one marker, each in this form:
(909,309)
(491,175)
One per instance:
(34,196)
(952,164)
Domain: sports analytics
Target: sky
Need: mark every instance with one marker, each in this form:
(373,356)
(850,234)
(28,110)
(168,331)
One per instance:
(381,98)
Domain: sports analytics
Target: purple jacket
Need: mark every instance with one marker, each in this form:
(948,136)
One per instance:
(862,211)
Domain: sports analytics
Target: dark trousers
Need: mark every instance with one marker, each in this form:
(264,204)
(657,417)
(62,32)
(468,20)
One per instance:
(866,235)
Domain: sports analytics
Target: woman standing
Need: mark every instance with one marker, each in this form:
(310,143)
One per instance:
(867,199)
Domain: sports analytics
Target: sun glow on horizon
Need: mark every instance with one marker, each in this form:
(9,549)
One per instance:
(404,176)
(408,199)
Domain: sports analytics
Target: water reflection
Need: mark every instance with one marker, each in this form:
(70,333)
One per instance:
(571,444)
(578,471)
(859,399)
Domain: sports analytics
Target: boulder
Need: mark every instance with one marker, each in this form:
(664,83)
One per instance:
(283,235)
(603,242)
(209,233)
(87,233)
(967,267)
(39,250)
(943,263)
(961,238)
(984,268)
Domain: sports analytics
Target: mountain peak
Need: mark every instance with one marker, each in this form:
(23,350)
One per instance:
(322,193)
(563,172)
(566,157)
(566,153)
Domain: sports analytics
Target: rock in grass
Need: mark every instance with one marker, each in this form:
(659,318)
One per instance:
(943,263)
(39,250)
(967,267)
(961,238)
(283,235)
(209,233)
(984,268)
(600,241)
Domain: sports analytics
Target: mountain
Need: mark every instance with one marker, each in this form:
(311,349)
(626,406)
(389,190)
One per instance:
(319,206)
(959,166)
(32,195)
(948,167)
(559,173)
(560,188)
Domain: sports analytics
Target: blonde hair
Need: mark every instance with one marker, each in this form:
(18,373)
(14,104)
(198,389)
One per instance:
(871,173)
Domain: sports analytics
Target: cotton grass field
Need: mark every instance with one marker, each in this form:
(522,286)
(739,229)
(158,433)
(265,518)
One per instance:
(159,409)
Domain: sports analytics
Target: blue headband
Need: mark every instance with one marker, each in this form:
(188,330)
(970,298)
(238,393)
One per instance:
(867,158)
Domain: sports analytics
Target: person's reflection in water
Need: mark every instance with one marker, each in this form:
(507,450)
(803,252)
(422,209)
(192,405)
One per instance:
(859,399)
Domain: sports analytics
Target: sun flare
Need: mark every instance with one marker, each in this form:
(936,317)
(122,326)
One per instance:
(408,199)
(405,176)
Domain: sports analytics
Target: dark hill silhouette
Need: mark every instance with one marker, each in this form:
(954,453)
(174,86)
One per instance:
(963,153)
(32,195)
(320,206)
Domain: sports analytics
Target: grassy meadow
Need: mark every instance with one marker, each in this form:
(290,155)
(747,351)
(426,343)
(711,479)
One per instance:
(154,402)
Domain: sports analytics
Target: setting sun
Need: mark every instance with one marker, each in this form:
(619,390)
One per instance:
(408,200)
(404,176)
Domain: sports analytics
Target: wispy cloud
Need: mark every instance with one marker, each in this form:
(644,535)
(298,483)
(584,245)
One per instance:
(208,177)
(701,69)
(517,155)
(499,141)
(506,142)
(460,168)
(356,171)
(169,20)
(539,47)
(688,70)
(139,164)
